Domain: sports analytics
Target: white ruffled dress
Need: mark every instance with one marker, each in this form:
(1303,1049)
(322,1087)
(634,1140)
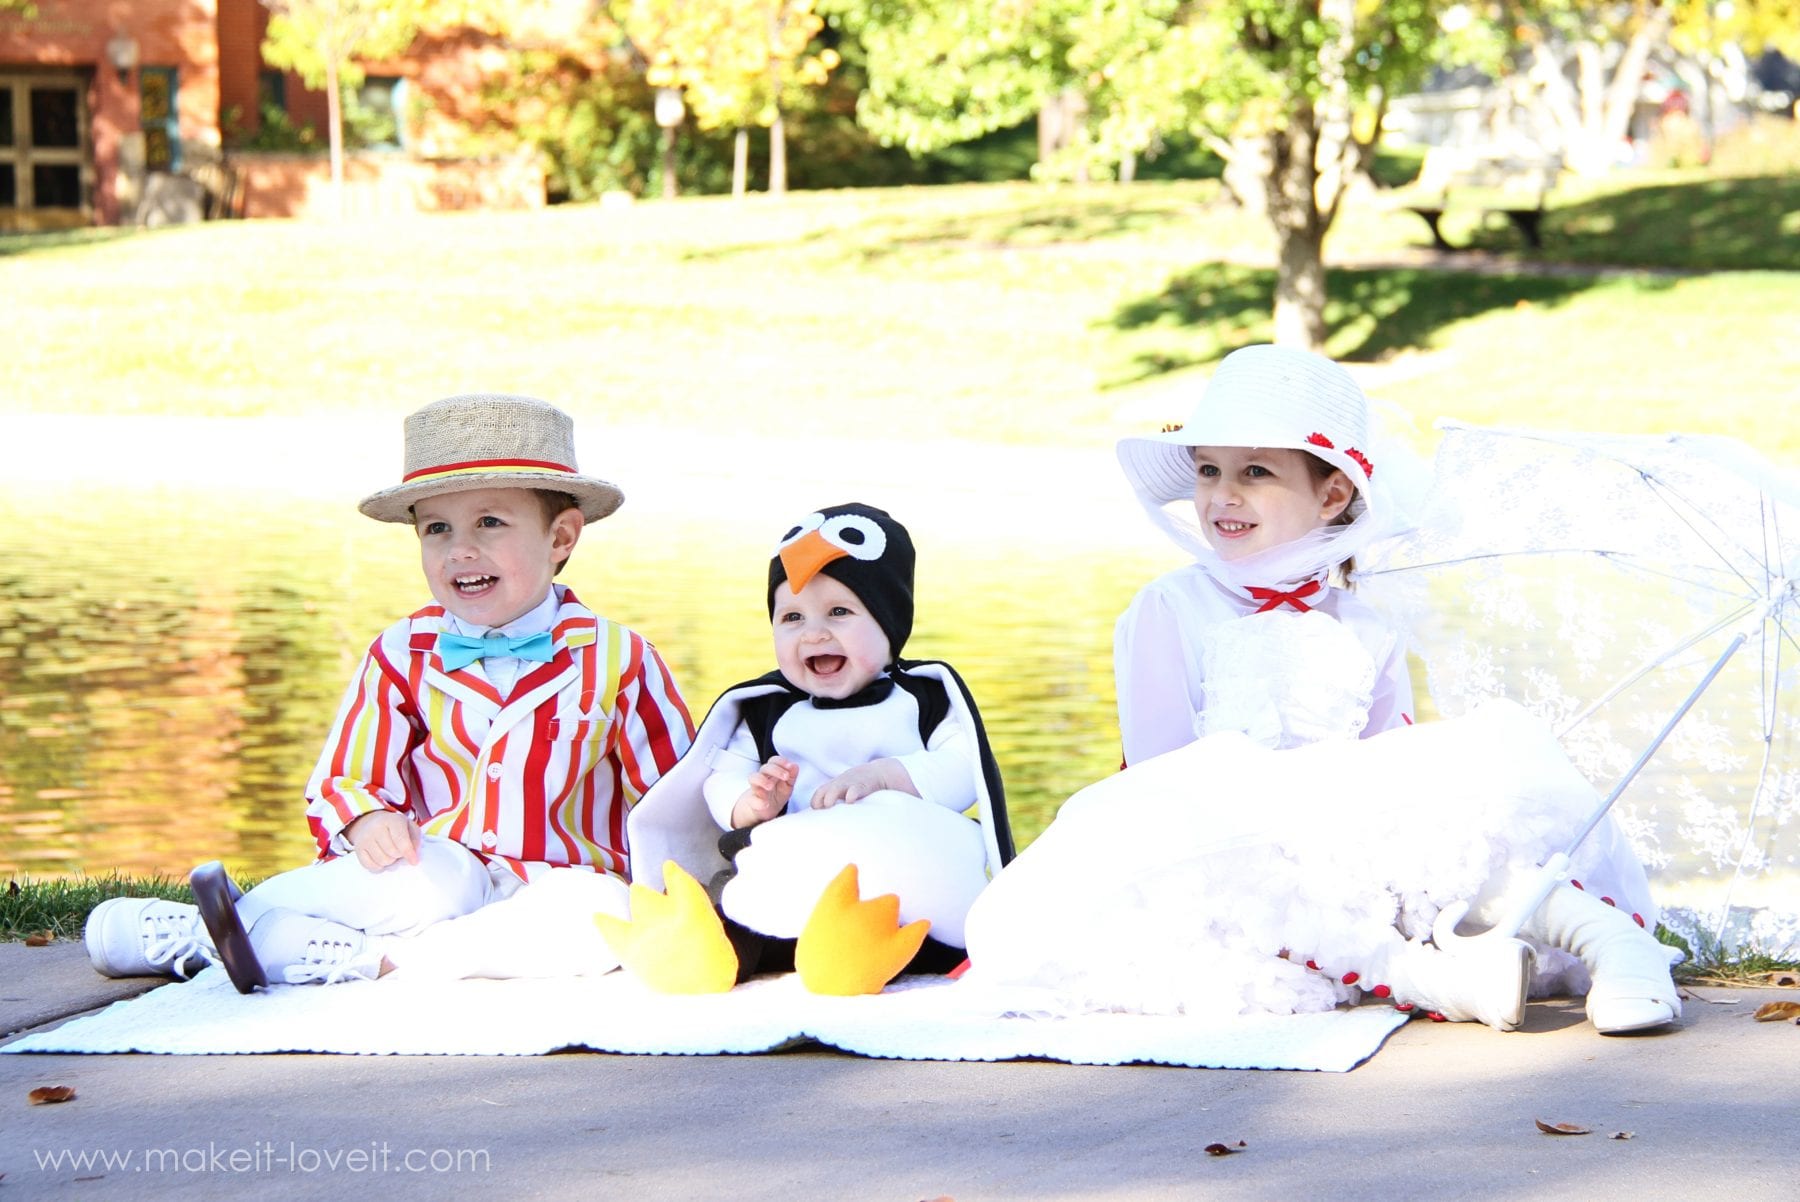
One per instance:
(1177,885)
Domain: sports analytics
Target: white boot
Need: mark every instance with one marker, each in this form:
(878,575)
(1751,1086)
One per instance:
(1480,981)
(1632,988)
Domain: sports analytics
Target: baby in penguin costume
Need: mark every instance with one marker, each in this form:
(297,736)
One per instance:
(846,774)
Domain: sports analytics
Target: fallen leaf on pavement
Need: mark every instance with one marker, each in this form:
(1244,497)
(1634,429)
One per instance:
(1223,1149)
(1776,1012)
(39,939)
(1562,1128)
(1623,1134)
(44,1095)
(1782,977)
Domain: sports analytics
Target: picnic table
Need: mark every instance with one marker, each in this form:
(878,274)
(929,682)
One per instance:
(1494,182)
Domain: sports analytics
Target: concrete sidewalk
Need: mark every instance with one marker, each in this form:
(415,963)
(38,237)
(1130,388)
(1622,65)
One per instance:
(1444,1111)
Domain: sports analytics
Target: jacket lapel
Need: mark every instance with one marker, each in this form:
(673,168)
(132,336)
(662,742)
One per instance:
(469,687)
(544,681)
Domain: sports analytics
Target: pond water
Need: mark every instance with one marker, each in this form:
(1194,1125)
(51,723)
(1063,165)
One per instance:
(180,611)
(182,602)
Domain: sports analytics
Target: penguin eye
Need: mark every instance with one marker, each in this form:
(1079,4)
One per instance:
(810,522)
(859,537)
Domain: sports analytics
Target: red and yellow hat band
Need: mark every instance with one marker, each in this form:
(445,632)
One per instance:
(486,467)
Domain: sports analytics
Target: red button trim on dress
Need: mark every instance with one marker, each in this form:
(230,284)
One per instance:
(1351,978)
(1638,918)
(1435,1017)
(1382,991)
(1609,901)
(1313,964)
(1577,884)
(1404,1007)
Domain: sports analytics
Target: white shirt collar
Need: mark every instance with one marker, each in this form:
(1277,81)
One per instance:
(540,618)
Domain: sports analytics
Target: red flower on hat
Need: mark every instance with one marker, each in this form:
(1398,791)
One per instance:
(1319,440)
(1362,461)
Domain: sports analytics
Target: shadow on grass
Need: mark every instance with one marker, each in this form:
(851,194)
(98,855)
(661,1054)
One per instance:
(1204,314)
(1713,224)
(1059,219)
(27,243)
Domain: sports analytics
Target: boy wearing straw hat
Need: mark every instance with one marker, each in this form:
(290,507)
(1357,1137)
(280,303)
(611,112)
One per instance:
(470,801)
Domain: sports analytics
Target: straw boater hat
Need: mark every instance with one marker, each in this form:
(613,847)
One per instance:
(1261,396)
(487,441)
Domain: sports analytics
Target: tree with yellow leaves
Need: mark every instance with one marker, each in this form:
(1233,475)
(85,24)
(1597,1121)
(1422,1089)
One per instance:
(326,41)
(737,63)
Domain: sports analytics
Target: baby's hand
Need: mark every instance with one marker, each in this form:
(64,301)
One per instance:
(383,837)
(770,787)
(858,783)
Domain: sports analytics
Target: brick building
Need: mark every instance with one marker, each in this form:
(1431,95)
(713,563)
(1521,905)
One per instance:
(107,105)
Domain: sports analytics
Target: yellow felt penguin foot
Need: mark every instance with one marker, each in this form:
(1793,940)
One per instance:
(674,941)
(850,946)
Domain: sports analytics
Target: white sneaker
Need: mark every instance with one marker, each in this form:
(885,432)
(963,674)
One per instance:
(147,937)
(303,950)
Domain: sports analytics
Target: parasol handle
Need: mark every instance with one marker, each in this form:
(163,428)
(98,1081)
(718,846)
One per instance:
(1522,902)
(1680,713)
(1525,901)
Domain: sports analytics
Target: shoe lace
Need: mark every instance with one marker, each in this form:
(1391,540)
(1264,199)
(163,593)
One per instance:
(174,940)
(332,961)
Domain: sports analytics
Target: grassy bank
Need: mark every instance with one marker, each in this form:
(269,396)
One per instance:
(58,909)
(1007,313)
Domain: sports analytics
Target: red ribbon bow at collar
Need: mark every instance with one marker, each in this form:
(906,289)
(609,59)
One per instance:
(1274,598)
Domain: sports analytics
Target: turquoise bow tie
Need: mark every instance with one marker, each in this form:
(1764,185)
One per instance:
(459,650)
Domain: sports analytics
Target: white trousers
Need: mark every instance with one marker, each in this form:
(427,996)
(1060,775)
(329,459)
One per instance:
(449,916)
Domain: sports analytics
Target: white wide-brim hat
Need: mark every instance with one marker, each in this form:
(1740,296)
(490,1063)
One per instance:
(490,441)
(1260,396)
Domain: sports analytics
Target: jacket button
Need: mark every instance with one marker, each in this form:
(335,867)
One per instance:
(495,771)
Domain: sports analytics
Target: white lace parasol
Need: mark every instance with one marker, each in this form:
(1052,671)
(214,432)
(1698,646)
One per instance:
(1598,580)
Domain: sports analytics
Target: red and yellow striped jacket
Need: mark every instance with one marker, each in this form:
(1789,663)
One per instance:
(542,778)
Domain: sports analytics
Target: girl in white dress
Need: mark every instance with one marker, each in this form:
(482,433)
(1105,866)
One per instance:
(1284,837)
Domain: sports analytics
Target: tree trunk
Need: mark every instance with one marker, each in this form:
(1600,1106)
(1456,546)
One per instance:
(1300,291)
(1593,112)
(778,155)
(1299,233)
(1060,126)
(1248,171)
(669,190)
(334,121)
(740,162)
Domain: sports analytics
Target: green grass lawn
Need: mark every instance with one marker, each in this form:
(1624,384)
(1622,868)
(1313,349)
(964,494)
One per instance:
(1014,313)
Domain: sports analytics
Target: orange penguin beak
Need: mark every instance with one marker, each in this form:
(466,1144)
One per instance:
(803,558)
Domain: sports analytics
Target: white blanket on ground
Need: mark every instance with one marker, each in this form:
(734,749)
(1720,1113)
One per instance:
(917,1018)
